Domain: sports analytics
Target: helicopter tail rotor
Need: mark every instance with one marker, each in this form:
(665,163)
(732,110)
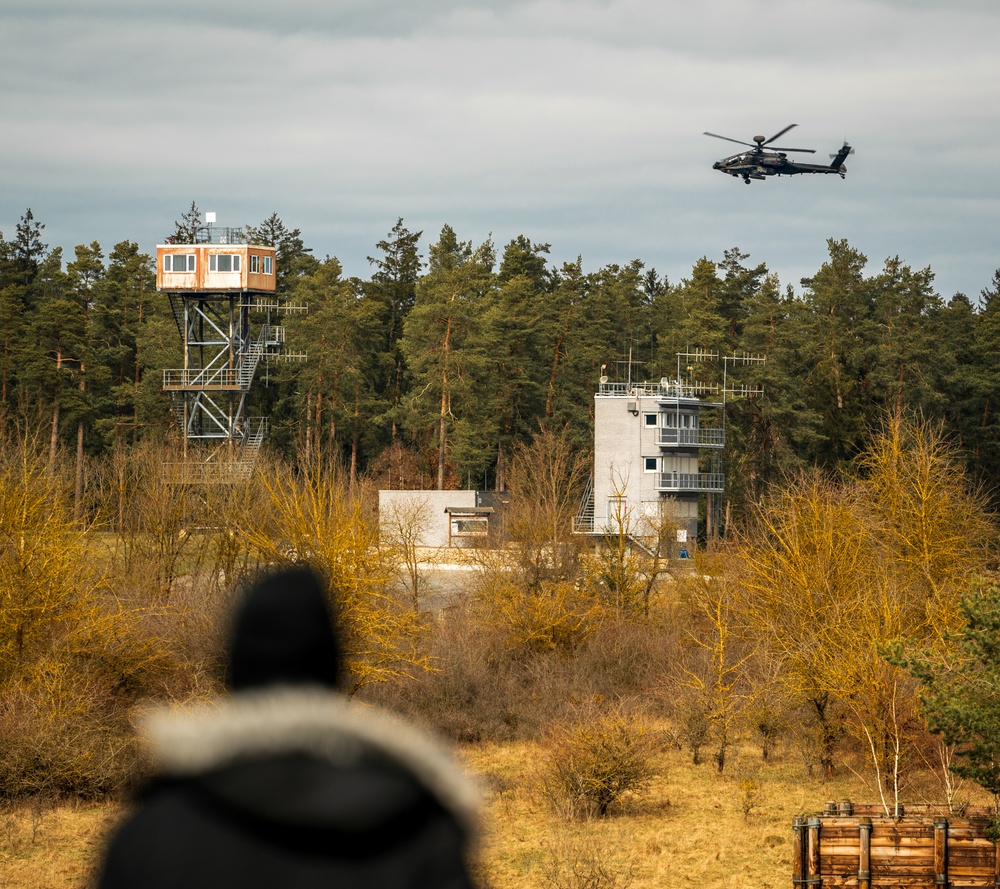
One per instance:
(838,159)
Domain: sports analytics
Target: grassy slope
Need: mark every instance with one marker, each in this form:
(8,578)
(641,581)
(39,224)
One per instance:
(689,828)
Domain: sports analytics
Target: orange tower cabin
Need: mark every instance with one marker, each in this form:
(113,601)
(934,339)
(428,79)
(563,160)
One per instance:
(215,267)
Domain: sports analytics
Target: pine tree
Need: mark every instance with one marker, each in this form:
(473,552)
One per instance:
(86,274)
(441,339)
(292,258)
(392,290)
(27,251)
(335,386)
(834,361)
(55,346)
(959,690)
(190,229)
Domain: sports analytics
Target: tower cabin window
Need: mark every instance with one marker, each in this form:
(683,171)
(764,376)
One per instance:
(682,421)
(178,262)
(223,262)
(268,269)
(254,264)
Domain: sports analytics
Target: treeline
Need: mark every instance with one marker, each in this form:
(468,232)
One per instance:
(430,372)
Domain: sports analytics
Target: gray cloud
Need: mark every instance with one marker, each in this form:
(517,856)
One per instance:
(577,123)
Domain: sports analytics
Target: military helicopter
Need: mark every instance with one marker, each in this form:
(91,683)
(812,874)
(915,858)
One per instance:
(758,163)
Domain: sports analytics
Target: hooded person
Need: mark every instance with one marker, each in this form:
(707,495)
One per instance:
(285,782)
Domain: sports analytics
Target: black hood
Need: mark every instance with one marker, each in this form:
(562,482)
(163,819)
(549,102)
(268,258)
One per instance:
(283,633)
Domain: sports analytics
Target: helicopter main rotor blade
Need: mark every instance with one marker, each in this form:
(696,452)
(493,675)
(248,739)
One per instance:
(802,150)
(737,141)
(779,134)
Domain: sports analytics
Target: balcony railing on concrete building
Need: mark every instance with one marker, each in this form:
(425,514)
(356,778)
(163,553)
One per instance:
(666,389)
(690,482)
(691,438)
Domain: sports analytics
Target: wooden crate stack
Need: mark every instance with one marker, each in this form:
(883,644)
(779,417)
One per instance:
(860,847)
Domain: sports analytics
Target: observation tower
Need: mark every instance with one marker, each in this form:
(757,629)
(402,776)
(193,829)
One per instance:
(223,297)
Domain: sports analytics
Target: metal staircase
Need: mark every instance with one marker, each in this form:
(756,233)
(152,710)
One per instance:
(583,521)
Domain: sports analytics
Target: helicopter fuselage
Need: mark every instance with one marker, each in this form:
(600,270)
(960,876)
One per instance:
(759,163)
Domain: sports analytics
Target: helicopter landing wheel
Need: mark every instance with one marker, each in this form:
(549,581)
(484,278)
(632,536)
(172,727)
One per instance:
(746,181)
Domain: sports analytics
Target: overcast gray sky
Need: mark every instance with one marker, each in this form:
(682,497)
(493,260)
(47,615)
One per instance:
(574,122)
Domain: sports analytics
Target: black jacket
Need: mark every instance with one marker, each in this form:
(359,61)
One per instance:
(293,787)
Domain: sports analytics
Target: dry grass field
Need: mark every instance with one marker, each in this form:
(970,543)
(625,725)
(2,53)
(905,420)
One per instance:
(51,846)
(691,827)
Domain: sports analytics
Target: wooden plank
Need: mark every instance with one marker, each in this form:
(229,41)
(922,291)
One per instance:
(840,848)
(902,866)
(905,842)
(884,881)
(984,861)
(839,865)
(881,882)
(984,867)
(916,824)
(840,830)
(909,883)
(887,825)
(960,833)
(973,850)
(901,857)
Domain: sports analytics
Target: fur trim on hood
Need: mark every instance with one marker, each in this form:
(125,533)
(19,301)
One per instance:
(187,742)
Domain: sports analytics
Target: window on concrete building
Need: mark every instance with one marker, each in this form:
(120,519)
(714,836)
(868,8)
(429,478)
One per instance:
(650,419)
(650,464)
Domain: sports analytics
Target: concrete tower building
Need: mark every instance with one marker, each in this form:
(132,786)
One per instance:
(658,455)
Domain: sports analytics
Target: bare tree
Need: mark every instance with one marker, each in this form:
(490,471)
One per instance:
(403,521)
(546,479)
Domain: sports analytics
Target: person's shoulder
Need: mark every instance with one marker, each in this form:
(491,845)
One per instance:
(284,720)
